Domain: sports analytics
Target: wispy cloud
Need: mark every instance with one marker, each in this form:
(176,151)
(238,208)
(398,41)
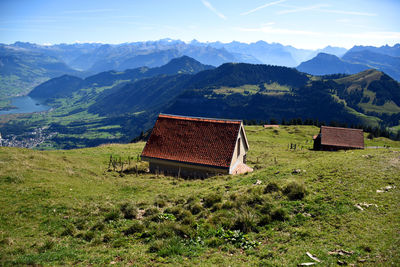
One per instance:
(301,9)
(81,11)
(344,12)
(213,9)
(321,8)
(263,6)
(362,36)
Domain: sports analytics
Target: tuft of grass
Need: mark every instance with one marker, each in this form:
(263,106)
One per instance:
(129,210)
(279,214)
(246,220)
(135,227)
(112,215)
(211,199)
(271,187)
(295,190)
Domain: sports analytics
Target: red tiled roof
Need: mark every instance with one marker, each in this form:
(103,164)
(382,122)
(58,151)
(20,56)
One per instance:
(193,140)
(342,137)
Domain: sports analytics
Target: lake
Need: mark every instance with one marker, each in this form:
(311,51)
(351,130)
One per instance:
(25,104)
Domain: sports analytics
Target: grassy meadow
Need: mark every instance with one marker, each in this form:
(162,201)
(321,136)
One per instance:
(67,207)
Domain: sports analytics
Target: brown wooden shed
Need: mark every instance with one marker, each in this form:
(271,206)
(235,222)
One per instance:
(335,138)
(196,147)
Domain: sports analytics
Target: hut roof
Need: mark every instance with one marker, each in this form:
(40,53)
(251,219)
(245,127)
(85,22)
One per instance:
(342,137)
(193,140)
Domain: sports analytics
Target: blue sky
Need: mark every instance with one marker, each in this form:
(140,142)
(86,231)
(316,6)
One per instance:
(301,23)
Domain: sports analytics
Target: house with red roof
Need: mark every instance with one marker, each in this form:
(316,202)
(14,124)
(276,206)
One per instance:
(335,138)
(196,147)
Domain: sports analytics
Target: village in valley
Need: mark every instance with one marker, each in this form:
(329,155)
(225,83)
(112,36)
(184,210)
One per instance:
(27,140)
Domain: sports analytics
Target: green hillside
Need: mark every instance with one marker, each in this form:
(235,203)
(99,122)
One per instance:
(117,106)
(21,70)
(68,208)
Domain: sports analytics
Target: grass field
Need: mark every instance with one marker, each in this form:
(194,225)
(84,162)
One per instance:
(67,208)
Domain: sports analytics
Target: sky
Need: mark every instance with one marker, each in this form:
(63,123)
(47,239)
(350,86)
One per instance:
(307,24)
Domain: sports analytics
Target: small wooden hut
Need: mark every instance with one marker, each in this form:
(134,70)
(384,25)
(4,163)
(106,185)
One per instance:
(196,147)
(335,138)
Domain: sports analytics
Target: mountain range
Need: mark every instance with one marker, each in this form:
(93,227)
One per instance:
(25,65)
(116,106)
(384,58)
(21,70)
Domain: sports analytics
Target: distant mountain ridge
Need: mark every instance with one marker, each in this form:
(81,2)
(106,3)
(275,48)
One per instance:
(87,59)
(384,58)
(21,70)
(98,57)
(65,85)
(324,64)
(122,104)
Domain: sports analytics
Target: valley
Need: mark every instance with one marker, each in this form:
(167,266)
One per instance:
(115,106)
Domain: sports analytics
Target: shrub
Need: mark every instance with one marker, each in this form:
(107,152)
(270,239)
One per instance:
(211,199)
(129,210)
(80,223)
(227,205)
(279,214)
(188,220)
(233,196)
(170,229)
(68,231)
(151,211)
(107,238)
(223,218)
(112,215)
(191,199)
(179,212)
(195,208)
(88,236)
(136,227)
(172,247)
(254,199)
(246,221)
(264,220)
(295,190)
(161,203)
(271,187)
(216,206)
(266,208)
(156,246)
(98,226)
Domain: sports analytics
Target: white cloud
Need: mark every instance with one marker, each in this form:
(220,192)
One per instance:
(300,9)
(263,6)
(210,7)
(343,12)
